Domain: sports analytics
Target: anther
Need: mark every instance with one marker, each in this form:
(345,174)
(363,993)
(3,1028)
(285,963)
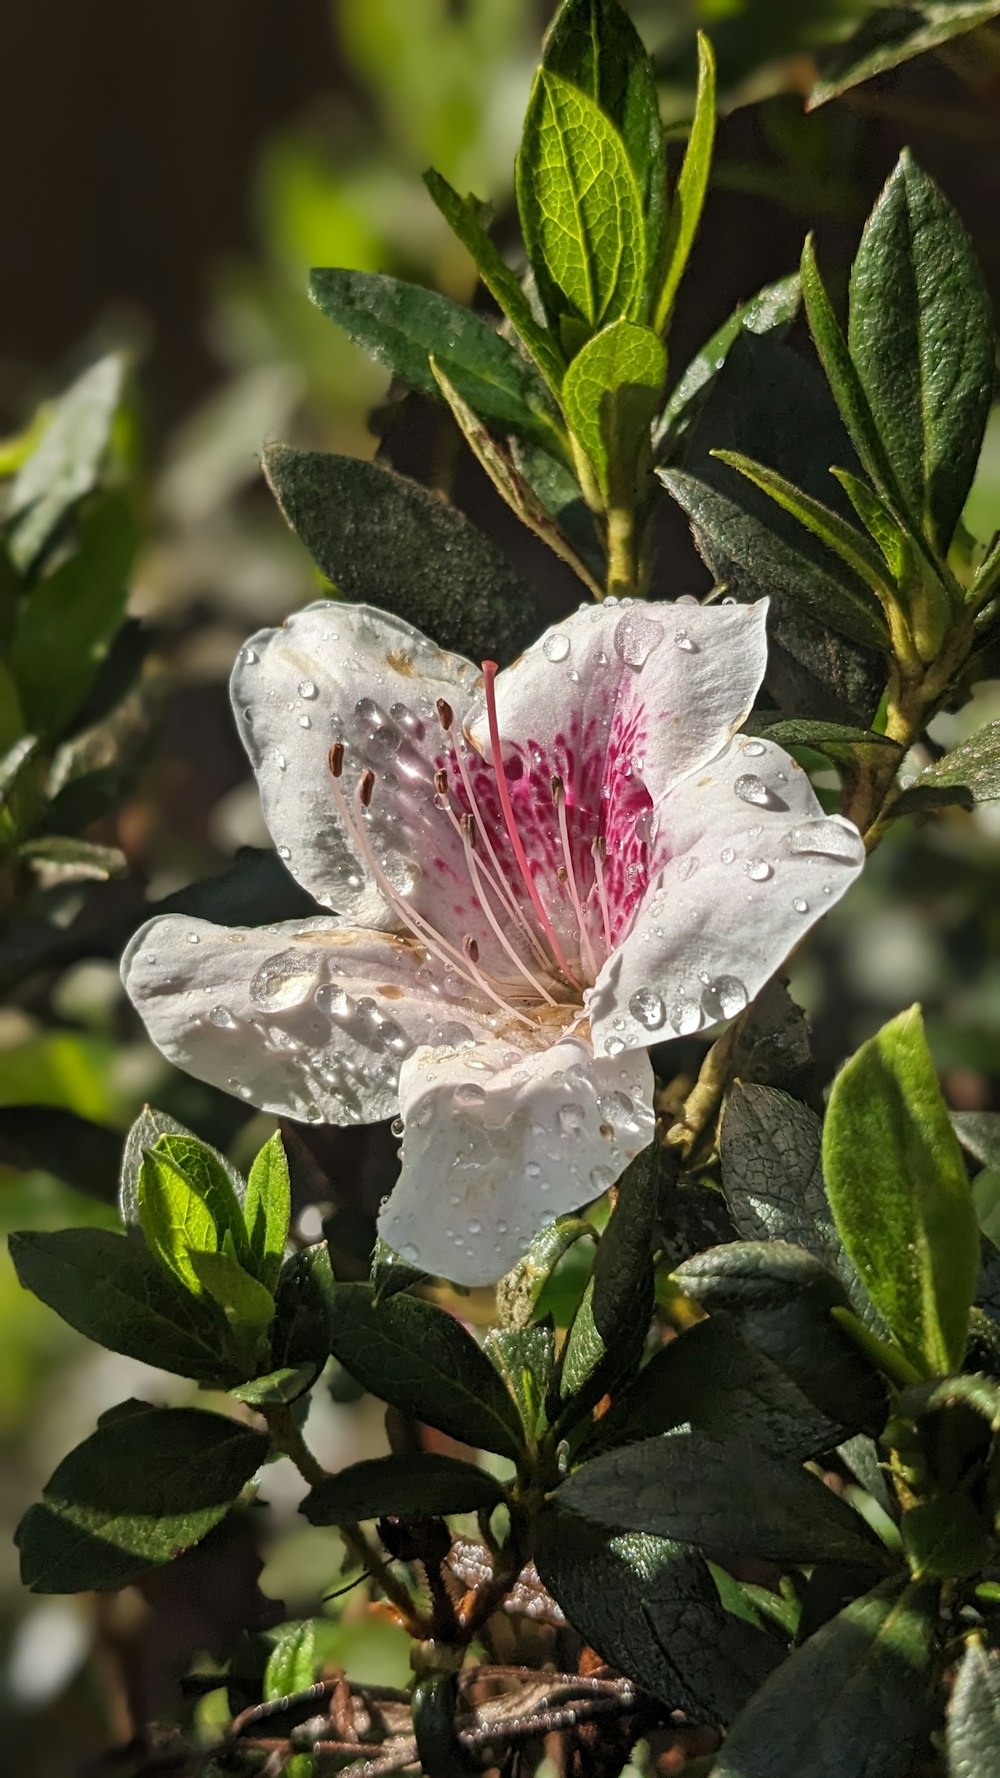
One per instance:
(335,759)
(366,785)
(441,781)
(470,948)
(446,714)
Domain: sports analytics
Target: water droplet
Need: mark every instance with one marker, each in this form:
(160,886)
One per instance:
(475,1227)
(385,743)
(613,1046)
(687,867)
(306,688)
(532,1170)
(194,938)
(248,716)
(571,1118)
(396,1127)
(636,636)
(601,1178)
(684,1015)
(648,1008)
(800,905)
(334,1001)
(284,852)
(305,722)
(409,1251)
(616,1108)
(287,979)
(367,709)
(222,1018)
(683,641)
(279,759)
(727,855)
(724,997)
(454,1036)
(751,789)
(250,657)
(403,873)
(467,1095)
(826,838)
(556,646)
(758,870)
(754,749)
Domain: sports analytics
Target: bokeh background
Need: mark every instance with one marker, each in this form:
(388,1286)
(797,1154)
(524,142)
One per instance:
(172,174)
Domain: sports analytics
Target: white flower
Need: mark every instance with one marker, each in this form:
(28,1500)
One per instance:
(537,874)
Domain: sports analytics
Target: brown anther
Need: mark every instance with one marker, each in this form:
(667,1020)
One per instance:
(366,784)
(335,759)
(468,825)
(558,787)
(563,874)
(600,846)
(441,781)
(470,948)
(446,714)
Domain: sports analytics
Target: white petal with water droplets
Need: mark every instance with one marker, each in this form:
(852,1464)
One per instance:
(497,1144)
(309,1019)
(706,939)
(353,674)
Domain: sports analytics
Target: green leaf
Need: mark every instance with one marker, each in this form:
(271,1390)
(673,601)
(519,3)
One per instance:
(381,538)
(851,1700)
(845,540)
(63,859)
(246,1303)
(979,1134)
(972,1732)
(595,46)
(580,208)
(278,1388)
(900,1195)
(891,35)
(518,1294)
(525,1358)
(609,1329)
(611,391)
(187,1206)
(420,1359)
(136,1494)
(894,545)
(651,1609)
(782,1298)
(419,1486)
(404,327)
(110,1289)
(66,463)
(68,620)
(144,1134)
(724,1493)
(391,1273)
(921,338)
(267,1210)
(692,186)
(291,1664)
(303,1308)
(835,739)
(772,310)
(462,215)
(968,775)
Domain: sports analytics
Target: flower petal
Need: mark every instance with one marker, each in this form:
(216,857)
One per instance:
(309,1019)
(498,1143)
(349,673)
(754,862)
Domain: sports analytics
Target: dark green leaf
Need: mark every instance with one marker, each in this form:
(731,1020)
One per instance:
(782,1298)
(267,1210)
(390,1273)
(921,338)
(772,310)
(900,1195)
(972,1734)
(968,775)
(772,1043)
(712,1378)
(68,620)
(291,1665)
(420,1486)
(109,1288)
(420,1359)
(559,494)
(525,1358)
(894,34)
(580,208)
(979,1134)
(650,1608)
(65,464)
(835,739)
(595,46)
(462,215)
(303,1307)
(404,327)
(136,1494)
(47,1137)
(611,391)
(382,538)
(609,1330)
(724,1494)
(519,1292)
(692,186)
(772,1178)
(947,1537)
(852,1700)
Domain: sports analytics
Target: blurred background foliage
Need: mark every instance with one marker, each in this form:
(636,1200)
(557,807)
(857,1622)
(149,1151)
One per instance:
(179,170)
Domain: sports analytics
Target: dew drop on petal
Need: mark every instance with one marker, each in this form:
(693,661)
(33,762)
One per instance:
(684,1015)
(222,1018)
(396,1129)
(532,1170)
(636,635)
(687,866)
(284,852)
(751,789)
(250,657)
(828,839)
(306,689)
(409,1251)
(616,1108)
(454,1036)
(287,979)
(727,855)
(800,905)
(305,722)
(467,1095)
(475,1227)
(723,997)
(758,870)
(194,938)
(647,1006)
(601,1178)
(754,749)
(613,1046)
(683,641)
(556,646)
(571,1118)
(334,1001)
(279,759)
(366,709)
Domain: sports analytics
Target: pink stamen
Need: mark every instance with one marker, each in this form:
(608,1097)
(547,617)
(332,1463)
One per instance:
(599,849)
(559,798)
(490,670)
(467,830)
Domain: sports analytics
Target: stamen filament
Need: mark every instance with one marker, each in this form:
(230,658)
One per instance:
(559,798)
(599,849)
(490,670)
(466,833)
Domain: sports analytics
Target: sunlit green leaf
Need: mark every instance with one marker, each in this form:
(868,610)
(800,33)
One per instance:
(610,394)
(66,461)
(689,197)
